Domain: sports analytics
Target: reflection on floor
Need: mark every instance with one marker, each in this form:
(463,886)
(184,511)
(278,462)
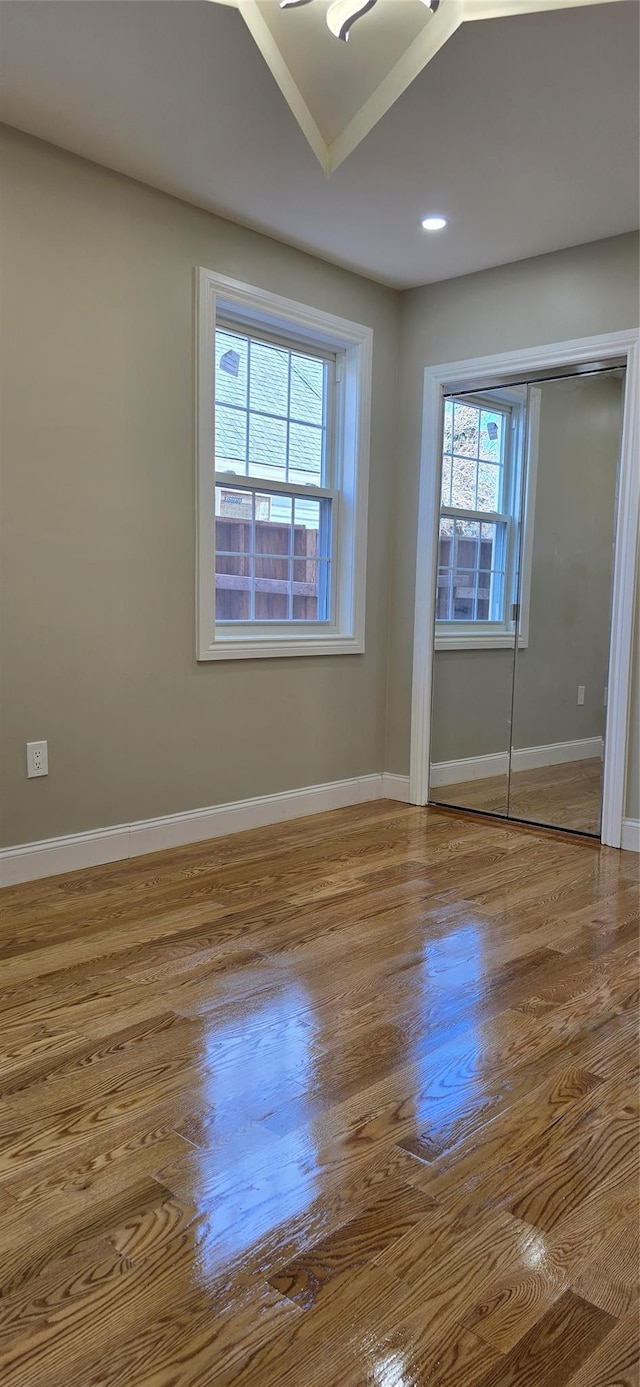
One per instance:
(565,796)
(347,1102)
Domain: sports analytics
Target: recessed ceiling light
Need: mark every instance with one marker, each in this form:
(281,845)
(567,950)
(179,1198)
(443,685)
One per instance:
(434,223)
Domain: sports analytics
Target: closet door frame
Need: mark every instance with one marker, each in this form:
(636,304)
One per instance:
(454,377)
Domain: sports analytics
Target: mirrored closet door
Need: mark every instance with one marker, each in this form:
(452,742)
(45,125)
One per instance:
(523,597)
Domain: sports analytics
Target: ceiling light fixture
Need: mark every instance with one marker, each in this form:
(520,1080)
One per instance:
(434,223)
(342,14)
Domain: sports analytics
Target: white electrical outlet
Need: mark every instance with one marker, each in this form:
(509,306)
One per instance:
(580,694)
(37,759)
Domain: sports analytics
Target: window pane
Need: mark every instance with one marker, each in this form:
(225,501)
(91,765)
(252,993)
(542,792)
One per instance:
(308,576)
(233,554)
(443,594)
(447,441)
(467,553)
(232,605)
(274,570)
(231,439)
(489,487)
(271,606)
(307,388)
(486,554)
(491,434)
(238,565)
(470,582)
(305,608)
(484,596)
(464,591)
(257,578)
(267,447)
(235,505)
(273,524)
(465,429)
(305,571)
(445,491)
(307,526)
(268,378)
(305,453)
(279,510)
(469,529)
(231,368)
(274,398)
(445,553)
(463,484)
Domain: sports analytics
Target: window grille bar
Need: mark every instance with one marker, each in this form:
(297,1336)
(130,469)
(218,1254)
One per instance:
(281,418)
(247,422)
(273,486)
(485,517)
(288,434)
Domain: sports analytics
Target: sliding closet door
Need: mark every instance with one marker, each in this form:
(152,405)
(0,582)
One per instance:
(561,659)
(482,483)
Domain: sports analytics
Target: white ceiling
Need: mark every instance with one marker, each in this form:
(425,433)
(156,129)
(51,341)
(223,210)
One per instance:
(523,131)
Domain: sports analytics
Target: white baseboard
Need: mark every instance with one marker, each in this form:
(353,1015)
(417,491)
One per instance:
(31,861)
(469,768)
(631,835)
(528,758)
(395,786)
(524,759)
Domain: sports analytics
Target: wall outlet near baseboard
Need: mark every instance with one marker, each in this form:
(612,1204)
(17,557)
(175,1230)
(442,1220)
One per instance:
(580,694)
(37,759)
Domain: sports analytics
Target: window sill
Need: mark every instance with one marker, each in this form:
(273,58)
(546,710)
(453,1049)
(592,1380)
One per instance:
(268,647)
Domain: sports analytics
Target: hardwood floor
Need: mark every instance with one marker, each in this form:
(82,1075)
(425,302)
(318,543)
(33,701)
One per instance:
(564,796)
(347,1102)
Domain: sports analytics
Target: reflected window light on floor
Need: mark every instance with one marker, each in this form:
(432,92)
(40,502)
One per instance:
(390,1371)
(451,1083)
(251,1181)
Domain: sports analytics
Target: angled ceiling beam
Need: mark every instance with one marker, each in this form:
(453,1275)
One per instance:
(261,33)
(444,22)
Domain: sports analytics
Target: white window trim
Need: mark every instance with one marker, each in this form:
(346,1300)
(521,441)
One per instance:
(529,360)
(497,635)
(253,307)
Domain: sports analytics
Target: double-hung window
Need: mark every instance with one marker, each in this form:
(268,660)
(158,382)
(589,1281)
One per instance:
(481,503)
(274,408)
(282,475)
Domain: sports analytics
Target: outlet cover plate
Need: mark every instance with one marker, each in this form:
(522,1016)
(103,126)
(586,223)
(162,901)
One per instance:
(37,759)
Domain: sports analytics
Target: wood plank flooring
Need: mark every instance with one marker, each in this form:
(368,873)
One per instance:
(346,1102)
(567,796)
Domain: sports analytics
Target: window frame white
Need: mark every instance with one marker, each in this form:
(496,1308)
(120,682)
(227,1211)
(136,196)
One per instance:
(258,310)
(522,450)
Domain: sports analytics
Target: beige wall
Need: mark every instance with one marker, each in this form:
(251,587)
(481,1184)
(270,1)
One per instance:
(572,293)
(98,497)
(471,707)
(98,502)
